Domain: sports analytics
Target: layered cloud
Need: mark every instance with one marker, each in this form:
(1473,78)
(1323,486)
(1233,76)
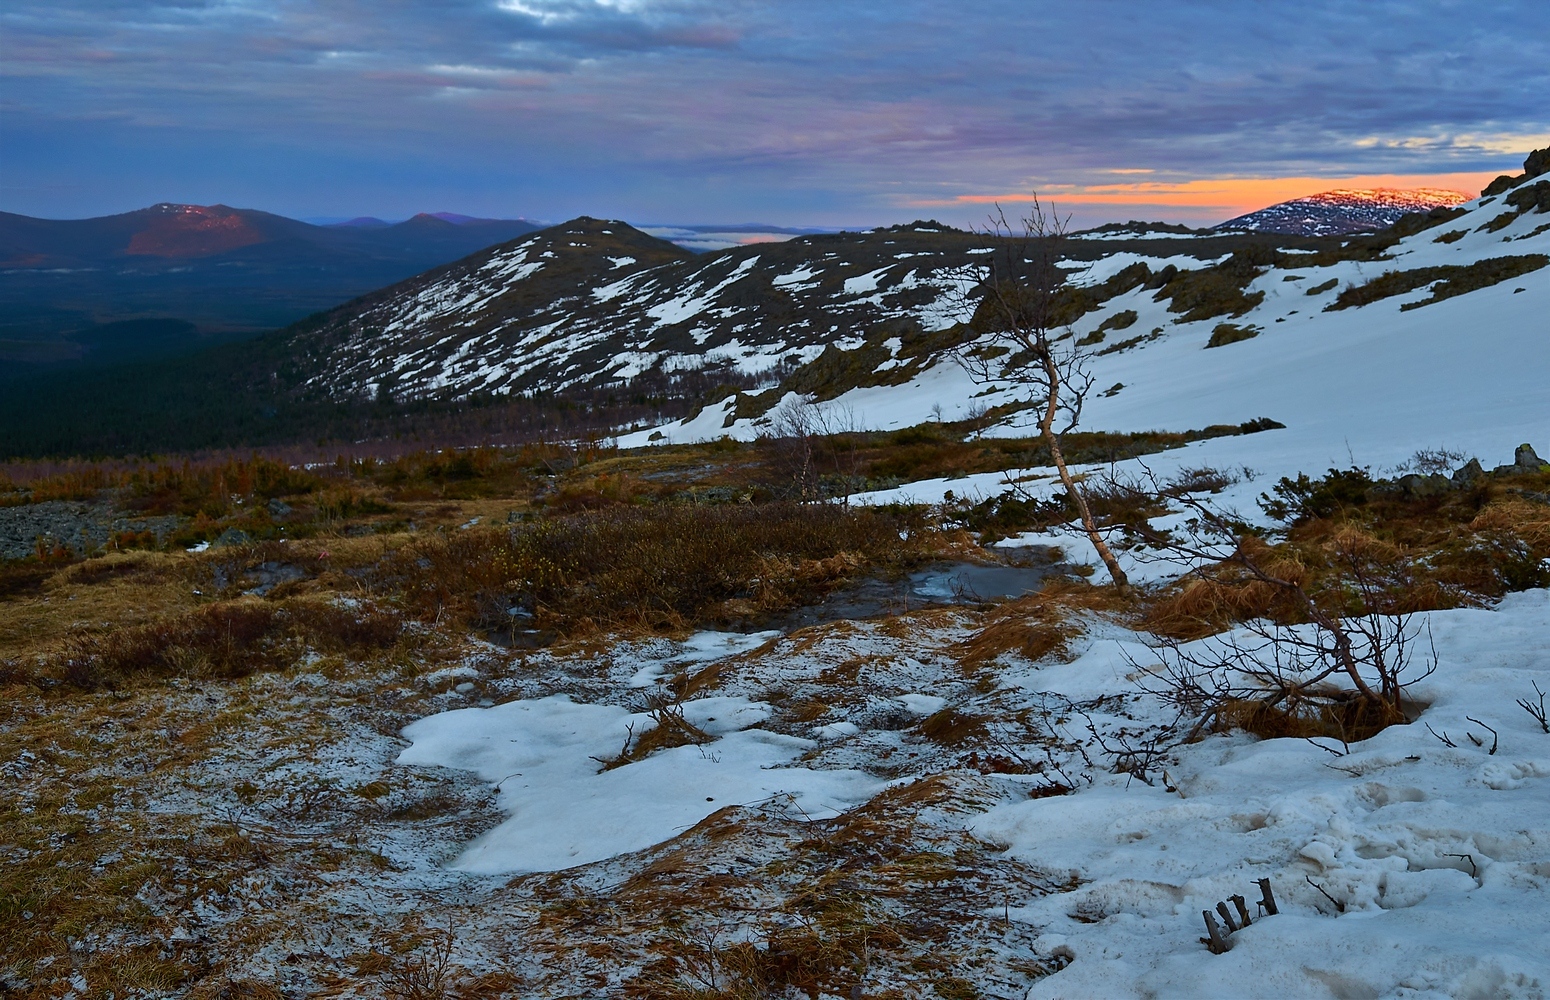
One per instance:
(796,111)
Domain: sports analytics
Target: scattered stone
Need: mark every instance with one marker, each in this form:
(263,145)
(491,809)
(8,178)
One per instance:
(1418,486)
(1524,461)
(231,537)
(266,576)
(278,509)
(76,525)
(1469,474)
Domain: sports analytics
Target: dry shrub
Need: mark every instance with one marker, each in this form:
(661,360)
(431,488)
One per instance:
(224,640)
(1209,602)
(669,729)
(1335,714)
(951,728)
(424,973)
(653,568)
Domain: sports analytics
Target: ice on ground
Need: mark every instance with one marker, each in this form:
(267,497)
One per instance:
(702,647)
(542,756)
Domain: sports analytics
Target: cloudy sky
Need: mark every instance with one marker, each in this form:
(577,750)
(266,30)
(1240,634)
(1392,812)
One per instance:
(826,113)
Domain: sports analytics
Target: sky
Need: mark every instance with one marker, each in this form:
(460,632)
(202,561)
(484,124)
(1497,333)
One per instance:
(835,113)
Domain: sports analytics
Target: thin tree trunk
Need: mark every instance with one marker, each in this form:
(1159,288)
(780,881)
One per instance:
(1047,429)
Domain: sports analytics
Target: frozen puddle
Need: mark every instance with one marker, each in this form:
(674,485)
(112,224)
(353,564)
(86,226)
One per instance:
(563,812)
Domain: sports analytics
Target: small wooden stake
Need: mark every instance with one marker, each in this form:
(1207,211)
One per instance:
(1227,919)
(1267,901)
(1218,944)
(1243,910)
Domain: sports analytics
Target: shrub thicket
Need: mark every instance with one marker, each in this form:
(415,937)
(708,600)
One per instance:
(1455,279)
(647,567)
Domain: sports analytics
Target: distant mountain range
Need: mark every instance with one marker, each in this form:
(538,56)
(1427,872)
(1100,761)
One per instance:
(593,312)
(183,275)
(1345,211)
(168,279)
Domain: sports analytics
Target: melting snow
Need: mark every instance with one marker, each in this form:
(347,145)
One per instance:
(565,811)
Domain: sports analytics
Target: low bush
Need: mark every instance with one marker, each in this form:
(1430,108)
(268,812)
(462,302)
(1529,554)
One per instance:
(1455,279)
(1217,290)
(666,566)
(1481,275)
(1230,333)
(223,640)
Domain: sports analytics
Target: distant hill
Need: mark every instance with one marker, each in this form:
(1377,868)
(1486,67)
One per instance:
(589,310)
(182,276)
(1345,211)
(595,302)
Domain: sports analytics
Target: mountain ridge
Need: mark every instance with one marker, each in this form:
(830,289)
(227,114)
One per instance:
(218,271)
(1345,211)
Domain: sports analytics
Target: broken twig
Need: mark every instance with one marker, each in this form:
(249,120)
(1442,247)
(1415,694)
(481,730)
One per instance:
(1487,728)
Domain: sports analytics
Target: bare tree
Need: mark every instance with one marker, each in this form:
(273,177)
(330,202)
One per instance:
(806,436)
(841,432)
(1020,303)
(794,430)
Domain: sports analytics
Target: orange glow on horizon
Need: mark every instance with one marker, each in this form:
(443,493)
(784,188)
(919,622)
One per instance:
(1231,196)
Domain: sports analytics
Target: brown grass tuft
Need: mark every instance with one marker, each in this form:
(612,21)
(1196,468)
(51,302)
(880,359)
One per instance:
(1339,716)
(1037,625)
(227,639)
(1528,520)
(221,988)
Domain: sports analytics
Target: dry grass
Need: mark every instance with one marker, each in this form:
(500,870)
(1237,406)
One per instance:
(875,899)
(1038,625)
(652,569)
(223,640)
(129,588)
(1528,520)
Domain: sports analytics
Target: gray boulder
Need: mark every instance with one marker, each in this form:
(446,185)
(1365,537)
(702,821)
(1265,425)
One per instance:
(1468,474)
(1526,460)
(231,537)
(1417,486)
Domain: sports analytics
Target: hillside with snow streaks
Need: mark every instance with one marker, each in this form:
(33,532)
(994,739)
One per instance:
(595,302)
(1336,213)
(1383,378)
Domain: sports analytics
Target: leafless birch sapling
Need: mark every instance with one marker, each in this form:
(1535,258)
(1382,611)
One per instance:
(1020,307)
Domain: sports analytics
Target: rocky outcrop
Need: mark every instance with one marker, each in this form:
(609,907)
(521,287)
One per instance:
(78,526)
(1538,162)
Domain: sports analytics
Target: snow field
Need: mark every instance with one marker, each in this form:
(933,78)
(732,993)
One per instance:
(565,811)
(1439,856)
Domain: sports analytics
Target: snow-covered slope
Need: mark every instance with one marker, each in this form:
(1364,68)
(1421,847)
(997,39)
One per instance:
(1342,211)
(1369,382)
(1405,865)
(595,302)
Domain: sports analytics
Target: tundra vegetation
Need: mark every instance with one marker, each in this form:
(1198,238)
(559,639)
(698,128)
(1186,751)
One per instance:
(197,747)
